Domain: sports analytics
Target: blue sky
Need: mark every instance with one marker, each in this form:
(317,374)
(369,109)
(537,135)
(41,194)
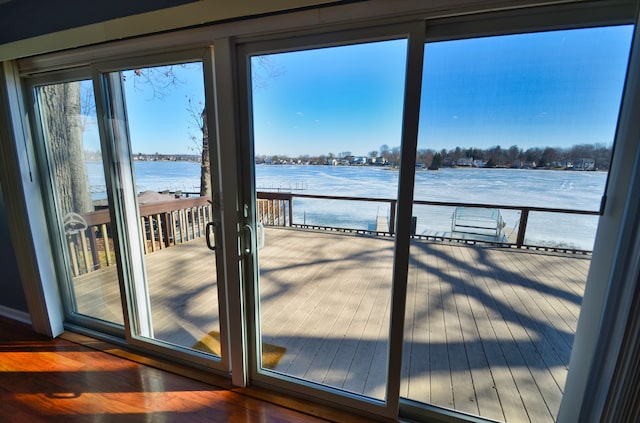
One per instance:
(330,100)
(158,109)
(533,90)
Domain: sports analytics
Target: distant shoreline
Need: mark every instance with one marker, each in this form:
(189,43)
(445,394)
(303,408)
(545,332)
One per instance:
(386,167)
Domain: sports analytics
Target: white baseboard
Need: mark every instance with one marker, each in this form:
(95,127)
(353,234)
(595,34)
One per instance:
(14,314)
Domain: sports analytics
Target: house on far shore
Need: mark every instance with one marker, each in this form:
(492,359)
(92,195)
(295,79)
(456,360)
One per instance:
(465,161)
(358,160)
(584,164)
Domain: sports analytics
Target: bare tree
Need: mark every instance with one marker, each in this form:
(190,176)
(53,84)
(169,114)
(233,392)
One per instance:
(198,114)
(205,168)
(68,107)
(61,108)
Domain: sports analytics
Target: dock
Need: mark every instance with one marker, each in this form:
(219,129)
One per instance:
(381,224)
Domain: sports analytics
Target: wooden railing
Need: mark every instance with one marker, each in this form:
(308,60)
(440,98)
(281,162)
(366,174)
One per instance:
(274,208)
(162,225)
(285,202)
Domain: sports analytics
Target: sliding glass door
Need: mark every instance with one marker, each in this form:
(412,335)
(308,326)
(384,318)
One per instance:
(174,295)
(326,133)
(134,202)
(510,150)
(516,136)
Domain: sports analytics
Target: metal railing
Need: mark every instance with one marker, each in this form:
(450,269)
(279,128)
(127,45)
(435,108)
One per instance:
(282,204)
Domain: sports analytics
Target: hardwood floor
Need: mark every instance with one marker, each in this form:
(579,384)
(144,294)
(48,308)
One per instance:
(58,380)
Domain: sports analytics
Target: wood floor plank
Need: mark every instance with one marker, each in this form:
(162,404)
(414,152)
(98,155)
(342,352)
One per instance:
(498,343)
(551,303)
(524,325)
(314,330)
(354,321)
(548,350)
(60,381)
(374,305)
(327,357)
(559,333)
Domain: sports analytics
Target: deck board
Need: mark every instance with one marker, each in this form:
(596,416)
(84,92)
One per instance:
(496,340)
(488,402)
(488,330)
(538,389)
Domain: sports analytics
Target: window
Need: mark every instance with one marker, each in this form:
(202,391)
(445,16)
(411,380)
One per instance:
(511,127)
(324,210)
(74,156)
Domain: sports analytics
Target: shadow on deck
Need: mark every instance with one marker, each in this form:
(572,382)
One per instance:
(488,330)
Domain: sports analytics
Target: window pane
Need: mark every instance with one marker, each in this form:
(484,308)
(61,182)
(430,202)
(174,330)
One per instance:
(82,210)
(169,139)
(325,204)
(507,123)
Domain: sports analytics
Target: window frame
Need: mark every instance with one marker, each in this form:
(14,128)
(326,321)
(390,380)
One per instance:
(42,157)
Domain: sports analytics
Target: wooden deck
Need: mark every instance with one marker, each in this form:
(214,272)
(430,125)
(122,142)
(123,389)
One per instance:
(488,330)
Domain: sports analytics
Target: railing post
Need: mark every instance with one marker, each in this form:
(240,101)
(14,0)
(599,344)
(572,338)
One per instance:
(290,199)
(166,227)
(392,217)
(105,240)
(522,228)
(93,246)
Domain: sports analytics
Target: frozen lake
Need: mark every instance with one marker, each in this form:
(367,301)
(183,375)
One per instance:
(541,188)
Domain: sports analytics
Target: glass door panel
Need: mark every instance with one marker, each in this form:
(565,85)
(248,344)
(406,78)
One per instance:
(177,300)
(510,127)
(74,156)
(326,133)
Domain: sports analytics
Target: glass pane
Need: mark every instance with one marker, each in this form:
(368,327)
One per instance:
(507,123)
(169,139)
(82,209)
(326,183)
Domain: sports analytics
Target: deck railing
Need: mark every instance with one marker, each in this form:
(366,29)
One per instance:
(163,224)
(278,211)
(177,221)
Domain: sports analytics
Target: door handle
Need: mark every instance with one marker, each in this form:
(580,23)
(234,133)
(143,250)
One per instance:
(249,244)
(207,233)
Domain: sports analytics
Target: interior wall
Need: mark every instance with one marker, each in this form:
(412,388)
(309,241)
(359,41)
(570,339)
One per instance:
(12,293)
(47,16)
(35,27)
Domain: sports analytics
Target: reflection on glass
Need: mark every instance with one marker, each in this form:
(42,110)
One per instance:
(327,126)
(514,121)
(169,145)
(75,163)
